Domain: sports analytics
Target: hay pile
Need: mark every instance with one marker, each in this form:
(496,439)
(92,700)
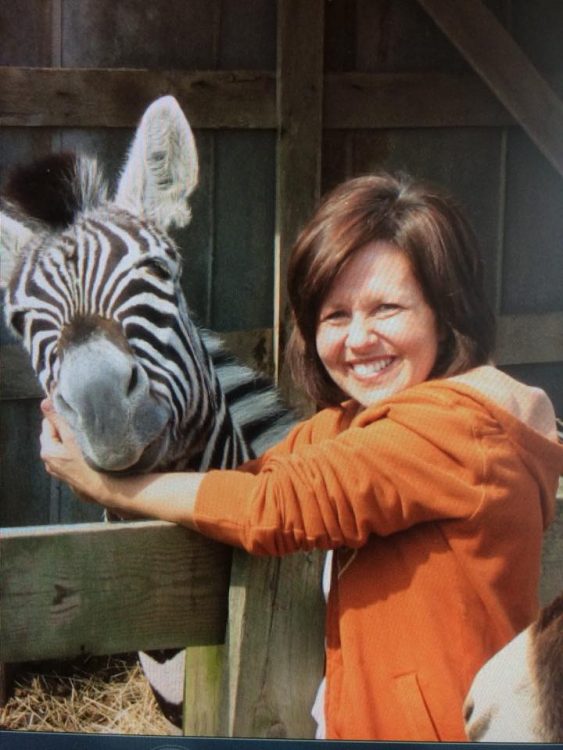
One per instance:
(103,695)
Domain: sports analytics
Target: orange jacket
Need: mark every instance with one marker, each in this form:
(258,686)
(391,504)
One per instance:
(436,500)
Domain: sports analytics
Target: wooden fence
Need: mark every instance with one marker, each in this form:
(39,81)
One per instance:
(98,588)
(110,588)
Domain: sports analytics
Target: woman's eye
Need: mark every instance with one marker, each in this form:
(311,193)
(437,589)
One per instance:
(386,308)
(334,316)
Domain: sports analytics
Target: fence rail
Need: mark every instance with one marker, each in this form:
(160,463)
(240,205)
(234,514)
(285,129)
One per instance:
(108,588)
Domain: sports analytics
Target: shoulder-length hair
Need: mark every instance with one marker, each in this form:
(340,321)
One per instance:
(443,251)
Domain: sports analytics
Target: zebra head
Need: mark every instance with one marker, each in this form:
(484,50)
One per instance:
(92,290)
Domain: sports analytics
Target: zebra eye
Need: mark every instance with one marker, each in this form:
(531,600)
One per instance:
(17,321)
(158,269)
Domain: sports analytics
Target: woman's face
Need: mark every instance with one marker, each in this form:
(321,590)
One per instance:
(376,333)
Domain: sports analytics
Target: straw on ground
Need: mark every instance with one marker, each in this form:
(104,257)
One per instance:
(104,695)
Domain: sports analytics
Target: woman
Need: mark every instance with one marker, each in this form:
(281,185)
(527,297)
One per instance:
(430,473)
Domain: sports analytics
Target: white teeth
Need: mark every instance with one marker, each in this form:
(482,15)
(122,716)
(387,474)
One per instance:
(365,369)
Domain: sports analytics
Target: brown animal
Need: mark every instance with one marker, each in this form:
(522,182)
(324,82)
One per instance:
(517,696)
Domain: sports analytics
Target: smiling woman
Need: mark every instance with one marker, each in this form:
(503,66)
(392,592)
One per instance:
(376,333)
(430,473)
(389,250)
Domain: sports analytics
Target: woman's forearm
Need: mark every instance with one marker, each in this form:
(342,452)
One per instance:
(168,497)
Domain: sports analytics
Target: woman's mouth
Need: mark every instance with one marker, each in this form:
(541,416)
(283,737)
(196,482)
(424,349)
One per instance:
(370,368)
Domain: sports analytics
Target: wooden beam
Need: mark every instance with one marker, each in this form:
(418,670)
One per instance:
(410,100)
(54,97)
(495,56)
(300,123)
(109,588)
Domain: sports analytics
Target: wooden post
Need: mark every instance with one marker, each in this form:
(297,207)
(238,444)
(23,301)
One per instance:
(275,631)
(300,123)
(202,691)
(496,57)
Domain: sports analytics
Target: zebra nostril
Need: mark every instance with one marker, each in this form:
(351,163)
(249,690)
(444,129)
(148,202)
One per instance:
(133,380)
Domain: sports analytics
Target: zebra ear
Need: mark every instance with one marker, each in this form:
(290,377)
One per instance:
(162,167)
(13,236)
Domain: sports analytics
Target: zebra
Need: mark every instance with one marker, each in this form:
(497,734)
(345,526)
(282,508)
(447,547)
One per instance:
(93,292)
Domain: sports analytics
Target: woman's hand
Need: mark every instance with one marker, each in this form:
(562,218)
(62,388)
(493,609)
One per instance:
(63,458)
(169,496)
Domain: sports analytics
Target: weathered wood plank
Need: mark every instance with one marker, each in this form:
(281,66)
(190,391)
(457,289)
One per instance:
(204,671)
(18,379)
(532,253)
(108,588)
(26,33)
(171,34)
(275,637)
(44,97)
(529,338)
(28,495)
(410,100)
(53,97)
(298,180)
(493,53)
(243,232)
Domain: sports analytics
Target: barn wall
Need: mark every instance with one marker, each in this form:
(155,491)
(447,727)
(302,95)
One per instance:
(395,94)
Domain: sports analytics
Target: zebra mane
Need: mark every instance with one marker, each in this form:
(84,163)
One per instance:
(254,402)
(55,189)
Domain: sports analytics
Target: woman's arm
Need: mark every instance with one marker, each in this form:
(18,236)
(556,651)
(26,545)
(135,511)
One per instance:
(168,496)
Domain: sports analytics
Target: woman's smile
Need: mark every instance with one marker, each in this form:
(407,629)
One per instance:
(371,369)
(376,333)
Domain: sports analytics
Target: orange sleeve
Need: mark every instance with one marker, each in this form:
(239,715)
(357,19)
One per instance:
(325,424)
(417,461)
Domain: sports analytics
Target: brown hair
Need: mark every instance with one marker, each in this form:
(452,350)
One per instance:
(441,246)
(547,669)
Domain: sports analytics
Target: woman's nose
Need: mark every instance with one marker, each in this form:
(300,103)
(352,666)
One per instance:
(360,333)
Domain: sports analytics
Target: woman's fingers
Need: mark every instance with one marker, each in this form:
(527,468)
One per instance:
(50,440)
(56,420)
(58,448)
(63,457)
